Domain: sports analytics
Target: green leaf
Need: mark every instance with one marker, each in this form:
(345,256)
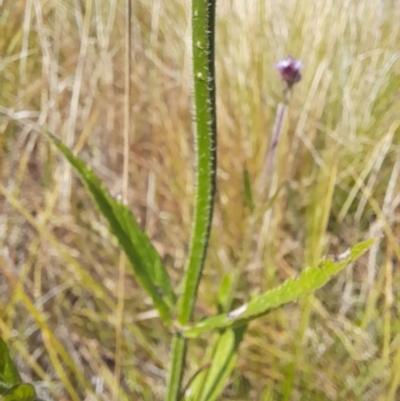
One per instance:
(143,257)
(292,289)
(20,392)
(209,385)
(9,375)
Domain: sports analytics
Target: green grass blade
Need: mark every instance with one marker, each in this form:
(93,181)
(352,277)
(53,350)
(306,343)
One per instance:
(292,289)
(9,375)
(209,385)
(143,257)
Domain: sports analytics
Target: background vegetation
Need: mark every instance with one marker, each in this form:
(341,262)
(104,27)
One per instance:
(336,182)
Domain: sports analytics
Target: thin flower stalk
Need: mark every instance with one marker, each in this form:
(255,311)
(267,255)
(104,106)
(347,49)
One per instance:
(289,69)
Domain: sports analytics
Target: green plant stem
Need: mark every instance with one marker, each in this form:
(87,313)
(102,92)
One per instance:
(178,356)
(203,28)
(203,14)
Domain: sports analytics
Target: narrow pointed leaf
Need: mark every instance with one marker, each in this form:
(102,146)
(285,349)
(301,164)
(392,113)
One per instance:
(209,385)
(9,375)
(292,289)
(143,257)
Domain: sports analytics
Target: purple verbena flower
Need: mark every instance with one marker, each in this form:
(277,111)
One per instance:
(289,68)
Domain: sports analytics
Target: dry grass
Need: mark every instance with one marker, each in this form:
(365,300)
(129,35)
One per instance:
(338,168)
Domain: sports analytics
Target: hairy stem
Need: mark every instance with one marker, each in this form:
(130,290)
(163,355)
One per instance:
(203,27)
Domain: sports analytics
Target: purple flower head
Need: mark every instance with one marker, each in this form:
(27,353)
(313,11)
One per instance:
(289,68)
